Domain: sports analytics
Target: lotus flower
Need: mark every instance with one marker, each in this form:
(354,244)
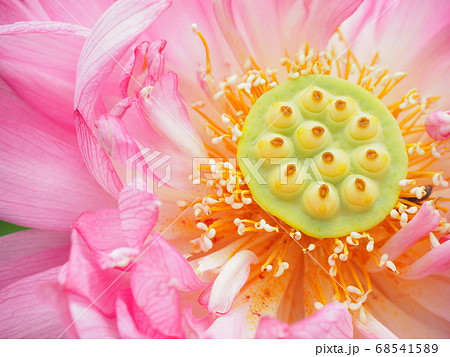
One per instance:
(100,98)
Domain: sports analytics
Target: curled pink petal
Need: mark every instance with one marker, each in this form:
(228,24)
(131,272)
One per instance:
(424,222)
(435,261)
(230,280)
(437,125)
(331,321)
(143,69)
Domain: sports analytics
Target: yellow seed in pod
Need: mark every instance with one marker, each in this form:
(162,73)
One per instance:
(360,191)
(363,127)
(314,99)
(341,109)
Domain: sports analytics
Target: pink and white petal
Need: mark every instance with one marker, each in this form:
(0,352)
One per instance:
(97,161)
(167,114)
(83,276)
(435,261)
(138,215)
(424,222)
(235,324)
(230,280)
(22,314)
(44,183)
(38,61)
(114,138)
(144,68)
(117,29)
(331,321)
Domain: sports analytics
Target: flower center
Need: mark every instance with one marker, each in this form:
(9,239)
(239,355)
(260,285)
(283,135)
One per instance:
(331,156)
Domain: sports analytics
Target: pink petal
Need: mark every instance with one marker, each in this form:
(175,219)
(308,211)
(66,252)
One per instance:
(166,112)
(229,282)
(75,11)
(420,307)
(424,222)
(22,314)
(372,329)
(114,138)
(421,51)
(322,12)
(126,322)
(16,110)
(20,244)
(282,25)
(162,256)
(156,294)
(158,154)
(232,325)
(435,261)
(98,163)
(101,230)
(332,321)
(180,38)
(83,276)
(44,183)
(46,10)
(195,327)
(155,281)
(31,264)
(144,68)
(38,61)
(138,215)
(114,33)
(88,321)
